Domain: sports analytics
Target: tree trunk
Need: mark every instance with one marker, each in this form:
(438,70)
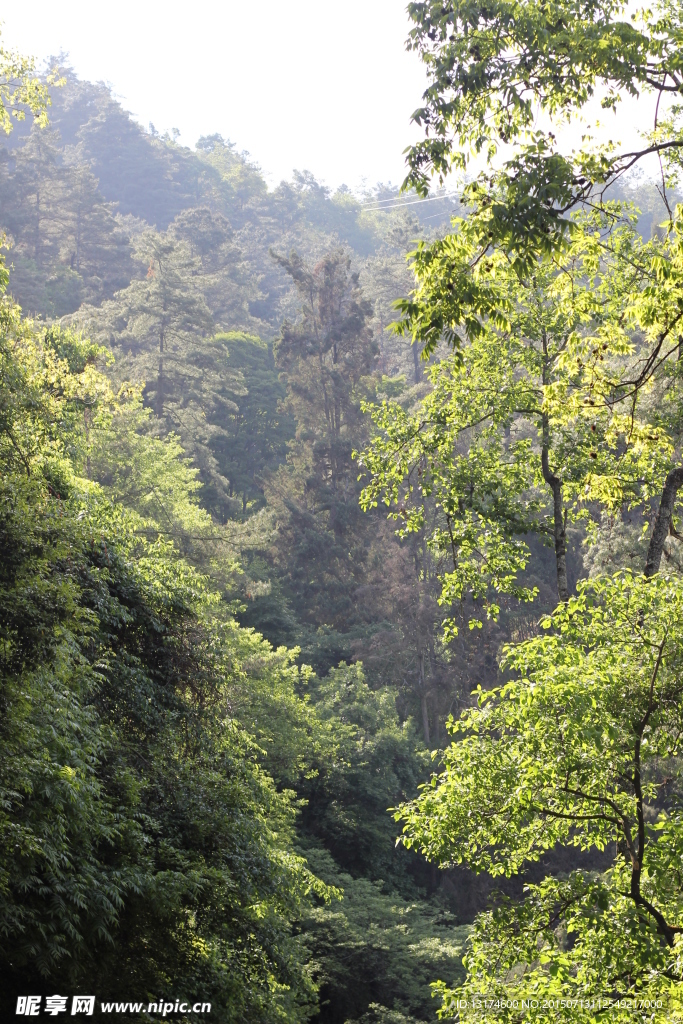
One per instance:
(160,378)
(86,425)
(425,717)
(78,240)
(423,700)
(417,364)
(663,521)
(435,691)
(37,242)
(560,532)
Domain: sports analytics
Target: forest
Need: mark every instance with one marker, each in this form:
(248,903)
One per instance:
(341,564)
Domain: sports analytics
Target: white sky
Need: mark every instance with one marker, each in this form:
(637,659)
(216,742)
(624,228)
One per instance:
(306,84)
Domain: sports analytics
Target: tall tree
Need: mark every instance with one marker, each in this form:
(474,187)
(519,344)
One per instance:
(161,326)
(67,247)
(578,744)
(255,427)
(536,401)
(328,357)
(571,751)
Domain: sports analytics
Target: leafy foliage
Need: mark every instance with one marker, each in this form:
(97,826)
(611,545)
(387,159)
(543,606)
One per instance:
(375,953)
(21,90)
(141,839)
(564,326)
(491,68)
(178,471)
(552,391)
(576,749)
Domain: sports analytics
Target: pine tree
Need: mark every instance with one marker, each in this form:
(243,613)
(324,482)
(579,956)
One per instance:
(161,327)
(328,358)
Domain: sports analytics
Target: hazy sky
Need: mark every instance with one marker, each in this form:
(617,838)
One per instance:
(307,84)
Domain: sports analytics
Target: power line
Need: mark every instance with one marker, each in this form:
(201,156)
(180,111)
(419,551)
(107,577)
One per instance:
(384,204)
(433,216)
(393,204)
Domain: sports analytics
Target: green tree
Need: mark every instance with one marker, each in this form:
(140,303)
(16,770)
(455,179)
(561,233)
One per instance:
(161,314)
(491,69)
(374,953)
(545,396)
(66,245)
(141,840)
(161,326)
(327,357)
(366,758)
(256,429)
(580,748)
(21,90)
(225,283)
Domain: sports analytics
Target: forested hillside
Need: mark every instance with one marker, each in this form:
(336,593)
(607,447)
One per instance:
(308,496)
(185,358)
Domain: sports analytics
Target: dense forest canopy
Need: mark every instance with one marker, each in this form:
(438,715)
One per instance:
(340,585)
(196,766)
